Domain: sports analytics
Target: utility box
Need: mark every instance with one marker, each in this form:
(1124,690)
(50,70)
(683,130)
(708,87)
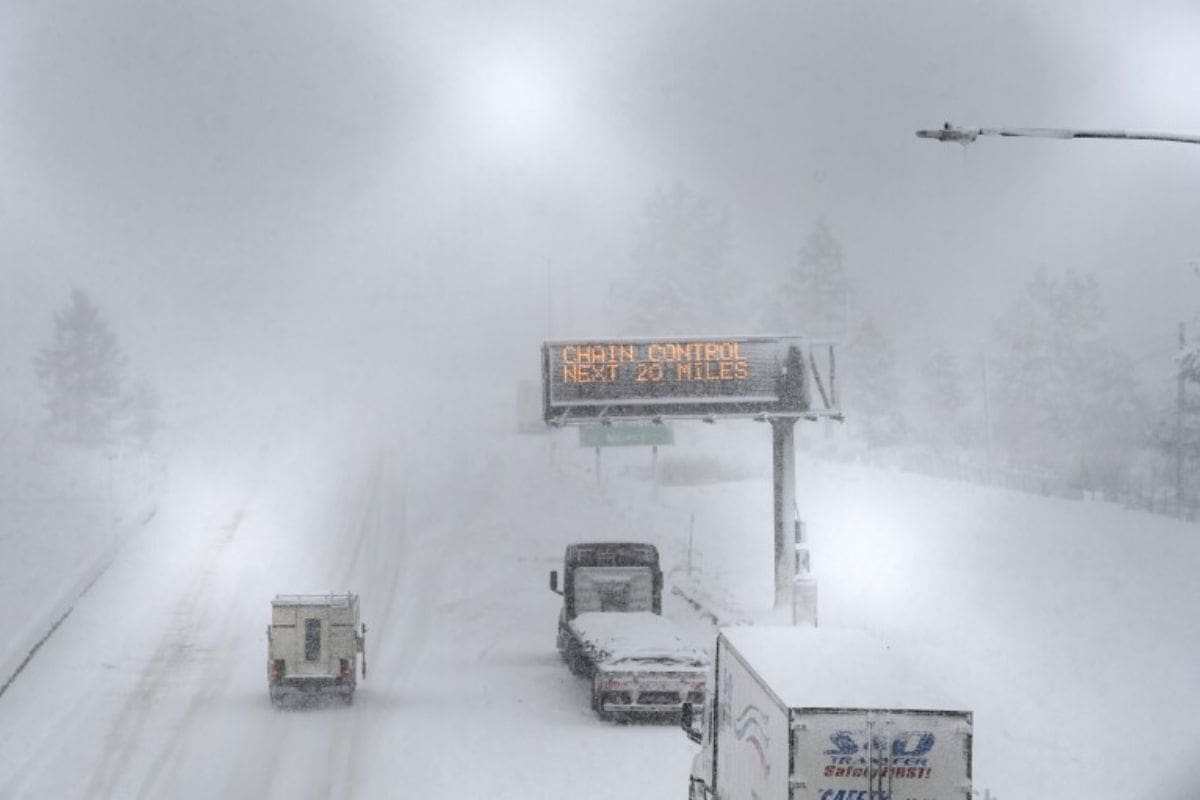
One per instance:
(313,646)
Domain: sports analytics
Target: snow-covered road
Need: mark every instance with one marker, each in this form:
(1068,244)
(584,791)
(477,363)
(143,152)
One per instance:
(1070,624)
(155,685)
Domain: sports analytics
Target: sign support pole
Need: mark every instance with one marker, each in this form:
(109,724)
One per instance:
(783,443)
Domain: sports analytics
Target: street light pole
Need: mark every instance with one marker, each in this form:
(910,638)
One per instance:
(964,136)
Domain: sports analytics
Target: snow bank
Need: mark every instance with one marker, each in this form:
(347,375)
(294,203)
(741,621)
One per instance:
(66,511)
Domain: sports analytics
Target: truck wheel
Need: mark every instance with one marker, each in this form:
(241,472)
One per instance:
(348,699)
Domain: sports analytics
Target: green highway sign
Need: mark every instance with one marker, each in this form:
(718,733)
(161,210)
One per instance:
(629,434)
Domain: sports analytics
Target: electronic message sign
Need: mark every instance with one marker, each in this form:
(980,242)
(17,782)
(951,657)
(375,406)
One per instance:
(683,377)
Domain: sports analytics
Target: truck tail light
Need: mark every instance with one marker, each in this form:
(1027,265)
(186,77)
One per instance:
(345,667)
(276,670)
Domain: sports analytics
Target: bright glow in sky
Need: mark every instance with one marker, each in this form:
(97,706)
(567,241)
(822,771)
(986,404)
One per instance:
(520,99)
(205,172)
(513,98)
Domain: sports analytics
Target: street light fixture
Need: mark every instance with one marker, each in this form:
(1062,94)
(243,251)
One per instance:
(964,136)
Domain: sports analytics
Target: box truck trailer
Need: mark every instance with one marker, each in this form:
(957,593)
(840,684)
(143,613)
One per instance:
(815,714)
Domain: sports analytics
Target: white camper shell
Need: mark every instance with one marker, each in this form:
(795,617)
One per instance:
(313,647)
(815,714)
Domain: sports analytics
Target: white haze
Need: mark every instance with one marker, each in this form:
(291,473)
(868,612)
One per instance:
(311,192)
(302,215)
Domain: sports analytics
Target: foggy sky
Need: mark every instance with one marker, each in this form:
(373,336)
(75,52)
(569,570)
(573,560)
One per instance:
(308,190)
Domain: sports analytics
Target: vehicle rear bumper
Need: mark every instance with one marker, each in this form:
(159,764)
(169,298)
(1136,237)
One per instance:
(300,687)
(647,695)
(672,711)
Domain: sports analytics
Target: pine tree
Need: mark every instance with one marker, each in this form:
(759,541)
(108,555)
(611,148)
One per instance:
(681,245)
(816,295)
(142,421)
(943,399)
(871,390)
(1188,362)
(82,372)
(1175,432)
(1065,396)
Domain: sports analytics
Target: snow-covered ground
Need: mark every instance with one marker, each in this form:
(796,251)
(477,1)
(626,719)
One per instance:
(1071,624)
(65,513)
(155,686)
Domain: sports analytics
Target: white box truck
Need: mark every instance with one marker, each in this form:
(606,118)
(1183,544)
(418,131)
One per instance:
(815,714)
(313,647)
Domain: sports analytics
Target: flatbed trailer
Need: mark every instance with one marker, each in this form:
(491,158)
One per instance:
(611,630)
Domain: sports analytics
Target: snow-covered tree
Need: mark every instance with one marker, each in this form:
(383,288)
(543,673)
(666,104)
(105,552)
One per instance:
(1065,396)
(1175,432)
(142,420)
(1188,362)
(82,372)
(680,282)
(816,294)
(943,400)
(871,391)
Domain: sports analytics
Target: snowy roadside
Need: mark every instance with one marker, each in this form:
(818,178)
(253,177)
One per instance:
(1038,613)
(66,514)
(1064,623)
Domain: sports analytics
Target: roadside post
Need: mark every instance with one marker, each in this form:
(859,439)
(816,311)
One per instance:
(804,587)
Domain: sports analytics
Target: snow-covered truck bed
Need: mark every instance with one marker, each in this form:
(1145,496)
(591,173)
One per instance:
(639,663)
(610,630)
(815,714)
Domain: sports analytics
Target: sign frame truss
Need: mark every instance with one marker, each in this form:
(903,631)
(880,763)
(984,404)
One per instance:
(783,377)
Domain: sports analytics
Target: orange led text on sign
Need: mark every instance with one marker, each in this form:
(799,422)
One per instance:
(655,362)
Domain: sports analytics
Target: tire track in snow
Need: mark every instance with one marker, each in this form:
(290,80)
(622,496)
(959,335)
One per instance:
(166,762)
(217,670)
(290,741)
(164,773)
(411,575)
(174,650)
(342,755)
(406,574)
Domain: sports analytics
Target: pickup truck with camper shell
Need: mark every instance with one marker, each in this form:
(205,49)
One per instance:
(313,646)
